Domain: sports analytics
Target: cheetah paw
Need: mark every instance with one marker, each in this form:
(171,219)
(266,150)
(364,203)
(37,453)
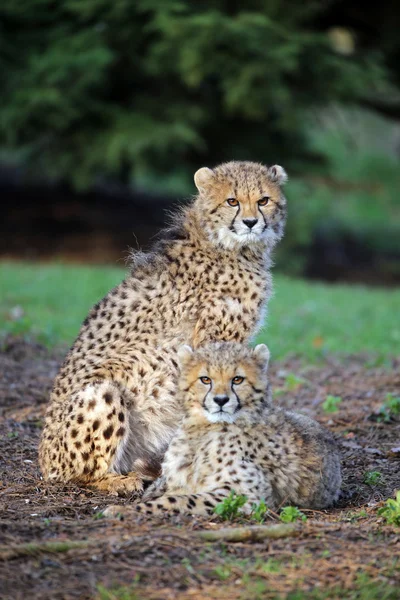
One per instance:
(119,485)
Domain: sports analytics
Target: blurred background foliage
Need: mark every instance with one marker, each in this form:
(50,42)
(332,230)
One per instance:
(144,92)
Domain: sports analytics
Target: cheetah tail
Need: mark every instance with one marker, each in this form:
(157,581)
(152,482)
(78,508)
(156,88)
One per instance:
(193,504)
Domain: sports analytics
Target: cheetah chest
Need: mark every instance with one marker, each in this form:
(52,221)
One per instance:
(209,462)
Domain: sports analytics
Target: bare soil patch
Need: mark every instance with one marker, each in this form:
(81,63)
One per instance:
(54,543)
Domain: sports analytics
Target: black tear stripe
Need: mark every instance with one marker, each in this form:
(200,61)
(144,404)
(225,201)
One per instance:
(239,406)
(264,219)
(205,397)
(231,226)
(214,210)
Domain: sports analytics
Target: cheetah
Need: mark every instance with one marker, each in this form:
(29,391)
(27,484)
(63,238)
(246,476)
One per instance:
(113,407)
(233,438)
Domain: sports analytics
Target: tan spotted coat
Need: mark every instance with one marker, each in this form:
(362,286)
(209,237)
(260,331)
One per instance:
(114,408)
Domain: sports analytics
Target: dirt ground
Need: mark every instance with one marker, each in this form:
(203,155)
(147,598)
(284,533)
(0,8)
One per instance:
(55,543)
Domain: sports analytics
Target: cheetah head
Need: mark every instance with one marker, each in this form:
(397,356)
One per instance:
(223,381)
(241,203)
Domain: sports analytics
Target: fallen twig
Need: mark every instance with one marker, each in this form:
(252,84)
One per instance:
(34,548)
(252,533)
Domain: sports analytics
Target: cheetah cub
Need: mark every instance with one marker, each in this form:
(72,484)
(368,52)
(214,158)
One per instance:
(232,438)
(113,408)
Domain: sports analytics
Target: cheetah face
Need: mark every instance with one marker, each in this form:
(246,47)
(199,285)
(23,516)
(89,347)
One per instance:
(241,203)
(221,401)
(223,380)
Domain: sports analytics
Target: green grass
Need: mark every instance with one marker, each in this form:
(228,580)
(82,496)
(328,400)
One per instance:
(252,587)
(308,319)
(363,591)
(312,319)
(55,298)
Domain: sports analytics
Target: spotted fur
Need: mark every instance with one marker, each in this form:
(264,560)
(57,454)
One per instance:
(114,407)
(233,438)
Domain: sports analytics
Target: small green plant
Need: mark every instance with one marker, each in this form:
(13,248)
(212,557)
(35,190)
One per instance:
(390,409)
(188,565)
(290,514)
(230,507)
(278,392)
(391,511)
(293,381)
(98,515)
(254,589)
(259,511)
(331,404)
(372,477)
(223,572)
(270,566)
(354,516)
(128,592)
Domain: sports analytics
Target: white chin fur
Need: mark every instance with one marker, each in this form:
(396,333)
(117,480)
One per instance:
(229,239)
(220,417)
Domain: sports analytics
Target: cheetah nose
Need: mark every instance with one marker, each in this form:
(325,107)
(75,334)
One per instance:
(221,400)
(250,222)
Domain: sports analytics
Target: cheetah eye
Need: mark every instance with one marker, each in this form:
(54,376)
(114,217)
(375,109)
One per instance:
(236,380)
(264,201)
(233,202)
(205,380)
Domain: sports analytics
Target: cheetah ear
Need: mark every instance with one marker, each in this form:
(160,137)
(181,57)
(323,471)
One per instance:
(262,354)
(202,178)
(185,353)
(277,174)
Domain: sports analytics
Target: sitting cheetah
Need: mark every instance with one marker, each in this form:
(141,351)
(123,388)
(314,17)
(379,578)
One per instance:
(114,408)
(232,437)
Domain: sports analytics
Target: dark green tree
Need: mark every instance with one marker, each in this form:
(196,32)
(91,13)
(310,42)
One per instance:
(143,88)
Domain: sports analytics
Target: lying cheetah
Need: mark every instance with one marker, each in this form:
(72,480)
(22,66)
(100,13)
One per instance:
(114,408)
(232,437)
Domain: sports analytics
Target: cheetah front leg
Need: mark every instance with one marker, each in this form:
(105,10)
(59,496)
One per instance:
(84,438)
